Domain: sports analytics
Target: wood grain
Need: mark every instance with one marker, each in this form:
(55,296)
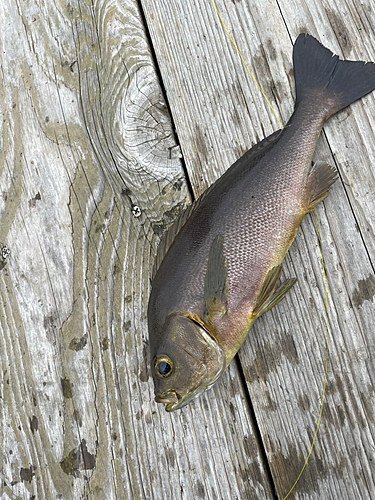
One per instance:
(90,176)
(219,113)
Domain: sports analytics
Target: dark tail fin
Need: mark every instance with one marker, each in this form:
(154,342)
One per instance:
(316,68)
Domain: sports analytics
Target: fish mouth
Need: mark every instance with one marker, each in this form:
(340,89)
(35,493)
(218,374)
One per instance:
(173,400)
(170,399)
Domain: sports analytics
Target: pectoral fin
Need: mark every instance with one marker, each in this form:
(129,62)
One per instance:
(215,284)
(320,179)
(269,296)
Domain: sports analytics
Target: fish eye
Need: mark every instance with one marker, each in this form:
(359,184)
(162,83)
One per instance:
(163,366)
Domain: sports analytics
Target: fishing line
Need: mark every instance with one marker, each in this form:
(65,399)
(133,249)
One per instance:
(250,73)
(326,362)
(322,261)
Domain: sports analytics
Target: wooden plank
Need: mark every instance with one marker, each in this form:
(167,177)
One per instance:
(90,176)
(219,113)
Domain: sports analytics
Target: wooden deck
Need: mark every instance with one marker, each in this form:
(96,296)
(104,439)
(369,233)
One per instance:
(92,171)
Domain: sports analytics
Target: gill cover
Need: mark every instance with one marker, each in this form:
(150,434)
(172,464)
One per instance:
(187,362)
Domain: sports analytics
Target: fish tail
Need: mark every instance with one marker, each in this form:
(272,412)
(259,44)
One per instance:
(318,71)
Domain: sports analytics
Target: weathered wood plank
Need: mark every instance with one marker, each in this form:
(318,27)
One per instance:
(89,177)
(219,113)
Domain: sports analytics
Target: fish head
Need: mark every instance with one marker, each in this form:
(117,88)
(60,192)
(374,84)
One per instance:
(185,361)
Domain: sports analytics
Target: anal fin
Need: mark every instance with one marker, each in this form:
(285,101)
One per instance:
(320,178)
(269,296)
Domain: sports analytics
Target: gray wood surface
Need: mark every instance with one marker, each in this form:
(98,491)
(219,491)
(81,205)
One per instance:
(90,177)
(219,113)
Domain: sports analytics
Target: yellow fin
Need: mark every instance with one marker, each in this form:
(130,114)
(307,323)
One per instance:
(321,177)
(269,296)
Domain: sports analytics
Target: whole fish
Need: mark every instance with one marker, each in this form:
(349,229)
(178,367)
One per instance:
(217,267)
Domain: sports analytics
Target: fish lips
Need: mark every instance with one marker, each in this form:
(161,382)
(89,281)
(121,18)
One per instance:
(169,398)
(173,401)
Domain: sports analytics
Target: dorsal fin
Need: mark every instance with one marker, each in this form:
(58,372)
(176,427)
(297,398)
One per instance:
(170,234)
(240,167)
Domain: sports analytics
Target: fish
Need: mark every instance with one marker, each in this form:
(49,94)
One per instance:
(218,266)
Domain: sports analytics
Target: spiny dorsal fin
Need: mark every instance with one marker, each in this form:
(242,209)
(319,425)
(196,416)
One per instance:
(268,295)
(321,177)
(241,166)
(215,283)
(169,236)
